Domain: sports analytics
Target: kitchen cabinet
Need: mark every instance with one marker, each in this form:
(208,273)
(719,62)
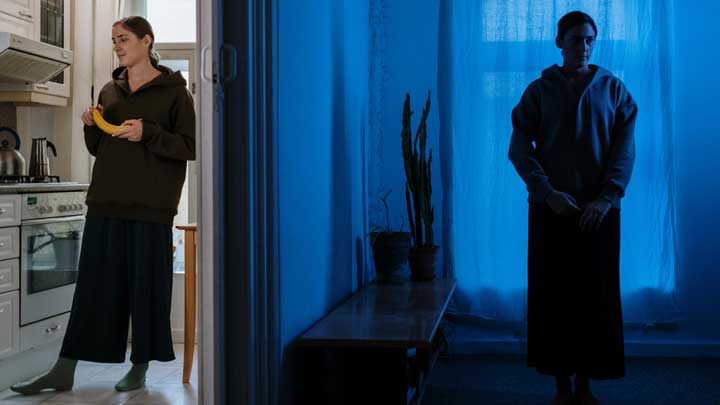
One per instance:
(9,243)
(9,275)
(19,26)
(49,21)
(54,29)
(9,324)
(10,210)
(20,9)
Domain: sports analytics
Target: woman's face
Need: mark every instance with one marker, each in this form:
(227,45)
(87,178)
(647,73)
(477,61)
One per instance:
(130,49)
(577,45)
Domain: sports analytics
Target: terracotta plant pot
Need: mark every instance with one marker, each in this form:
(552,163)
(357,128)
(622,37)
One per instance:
(390,252)
(423,262)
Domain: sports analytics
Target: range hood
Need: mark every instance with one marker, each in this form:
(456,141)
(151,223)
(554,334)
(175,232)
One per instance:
(25,61)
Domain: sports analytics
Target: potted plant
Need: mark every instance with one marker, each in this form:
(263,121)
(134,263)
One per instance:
(418,194)
(390,248)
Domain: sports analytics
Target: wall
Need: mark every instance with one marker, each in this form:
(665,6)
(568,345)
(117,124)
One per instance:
(8,115)
(698,146)
(404,60)
(322,123)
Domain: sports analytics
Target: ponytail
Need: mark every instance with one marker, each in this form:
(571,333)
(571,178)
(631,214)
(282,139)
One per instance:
(154,58)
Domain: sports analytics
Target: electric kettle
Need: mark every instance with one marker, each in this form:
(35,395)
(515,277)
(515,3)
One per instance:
(39,159)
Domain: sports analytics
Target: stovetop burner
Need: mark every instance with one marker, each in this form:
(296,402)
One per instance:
(28,179)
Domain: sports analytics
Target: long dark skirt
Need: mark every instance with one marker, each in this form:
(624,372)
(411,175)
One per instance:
(125,273)
(574,311)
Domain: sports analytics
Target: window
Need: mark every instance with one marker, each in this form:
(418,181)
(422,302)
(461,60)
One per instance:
(496,48)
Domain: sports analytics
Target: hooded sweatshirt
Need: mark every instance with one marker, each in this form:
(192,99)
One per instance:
(581,144)
(143,180)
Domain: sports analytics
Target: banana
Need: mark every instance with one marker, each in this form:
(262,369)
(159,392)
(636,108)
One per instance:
(104,126)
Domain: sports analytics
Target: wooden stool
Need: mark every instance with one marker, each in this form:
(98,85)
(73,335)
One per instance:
(189,299)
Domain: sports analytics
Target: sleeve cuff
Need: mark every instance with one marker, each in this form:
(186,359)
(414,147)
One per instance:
(541,191)
(611,195)
(150,129)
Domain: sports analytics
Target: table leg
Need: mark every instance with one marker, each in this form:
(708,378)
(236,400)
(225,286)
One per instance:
(189,305)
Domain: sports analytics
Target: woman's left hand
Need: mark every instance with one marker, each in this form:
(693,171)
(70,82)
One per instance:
(133,132)
(593,215)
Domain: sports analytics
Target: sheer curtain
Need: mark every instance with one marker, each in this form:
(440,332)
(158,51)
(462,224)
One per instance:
(489,52)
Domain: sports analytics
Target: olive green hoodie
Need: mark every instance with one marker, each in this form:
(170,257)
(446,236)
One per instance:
(142,180)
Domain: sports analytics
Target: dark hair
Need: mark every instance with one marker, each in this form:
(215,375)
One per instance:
(141,27)
(573,19)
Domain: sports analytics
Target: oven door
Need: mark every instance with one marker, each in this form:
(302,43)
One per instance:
(48,266)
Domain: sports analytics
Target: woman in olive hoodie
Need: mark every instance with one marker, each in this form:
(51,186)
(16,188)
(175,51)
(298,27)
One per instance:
(125,268)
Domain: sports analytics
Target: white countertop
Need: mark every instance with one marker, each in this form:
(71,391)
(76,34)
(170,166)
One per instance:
(24,188)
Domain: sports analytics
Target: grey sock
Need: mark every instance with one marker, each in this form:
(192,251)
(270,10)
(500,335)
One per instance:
(134,379)
(60,378)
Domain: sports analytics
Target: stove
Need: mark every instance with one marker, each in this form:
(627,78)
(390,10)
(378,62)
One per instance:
(41,227)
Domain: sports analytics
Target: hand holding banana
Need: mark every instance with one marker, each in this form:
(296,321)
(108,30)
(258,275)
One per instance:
(130,129)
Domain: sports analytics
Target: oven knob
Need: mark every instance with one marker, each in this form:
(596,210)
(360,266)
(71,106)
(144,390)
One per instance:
(50,209)
(62,208)
(42,210)
(78,207)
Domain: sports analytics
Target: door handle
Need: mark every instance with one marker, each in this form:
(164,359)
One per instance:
(228,63)
(203,64)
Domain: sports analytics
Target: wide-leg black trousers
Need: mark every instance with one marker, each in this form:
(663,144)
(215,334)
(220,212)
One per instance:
(574,311)
(125,275)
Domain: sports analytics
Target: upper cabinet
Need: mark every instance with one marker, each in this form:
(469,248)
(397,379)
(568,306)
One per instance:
(22,9)
(19,17)
(42,20)
(54,29)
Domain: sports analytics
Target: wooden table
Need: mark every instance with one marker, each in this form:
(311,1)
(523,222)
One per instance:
(377,347)
(189,299)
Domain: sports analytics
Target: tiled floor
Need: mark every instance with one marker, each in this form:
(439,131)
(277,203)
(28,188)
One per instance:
(94,384)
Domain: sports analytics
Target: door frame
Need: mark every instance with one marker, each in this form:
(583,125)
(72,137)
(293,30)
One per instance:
(238,222)
(207,249)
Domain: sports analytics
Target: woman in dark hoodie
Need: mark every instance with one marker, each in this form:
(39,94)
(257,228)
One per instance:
(125,270)
(572,144)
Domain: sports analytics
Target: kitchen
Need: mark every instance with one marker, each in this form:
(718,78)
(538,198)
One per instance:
(45,168)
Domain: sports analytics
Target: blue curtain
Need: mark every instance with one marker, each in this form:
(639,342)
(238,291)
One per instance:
(489,51)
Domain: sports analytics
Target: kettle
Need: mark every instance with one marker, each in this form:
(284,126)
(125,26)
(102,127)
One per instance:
(39,159)
(12,163)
